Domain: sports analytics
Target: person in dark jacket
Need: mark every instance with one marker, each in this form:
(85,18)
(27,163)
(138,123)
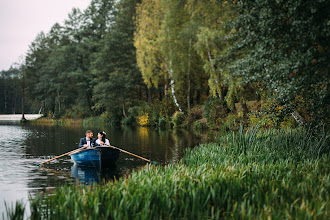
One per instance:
(88,140)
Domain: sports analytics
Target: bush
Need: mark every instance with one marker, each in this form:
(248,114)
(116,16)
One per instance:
(195,114)
(134,111)
(94,121)
(200,124)
(274,174)
(143,120)
(231,122)
(163,122)
(214,111)
(130,120)
(178,119)
(77,112)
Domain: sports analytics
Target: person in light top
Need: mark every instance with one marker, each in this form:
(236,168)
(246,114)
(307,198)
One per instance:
(101,140)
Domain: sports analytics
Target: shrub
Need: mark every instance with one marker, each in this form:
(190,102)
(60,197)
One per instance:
(162,122)
(77,112)
(214,111)
(134,111)
(195,114)
(130,120)
(231,122)
(178,119)
(143,120)
(200,124)
(273,174)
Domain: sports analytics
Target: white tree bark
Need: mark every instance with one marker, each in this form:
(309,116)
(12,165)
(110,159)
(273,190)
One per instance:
(172,83)
(298,118)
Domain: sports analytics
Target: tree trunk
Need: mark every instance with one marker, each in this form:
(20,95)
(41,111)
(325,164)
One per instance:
(149,96)
(123,105)
(170,71)
(188,89)
(59,102)
(244,108)
(5,102)
(298,118)
(23,88)
(14,103)
(166,95)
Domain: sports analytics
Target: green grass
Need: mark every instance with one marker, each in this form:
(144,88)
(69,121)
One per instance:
(15,211)
(279,174)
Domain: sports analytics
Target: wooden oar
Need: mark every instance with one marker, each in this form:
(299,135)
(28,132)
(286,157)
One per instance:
(74,151)
(124,151)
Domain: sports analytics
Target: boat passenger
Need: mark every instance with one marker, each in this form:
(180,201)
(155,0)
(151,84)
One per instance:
(101,140)
(88,140)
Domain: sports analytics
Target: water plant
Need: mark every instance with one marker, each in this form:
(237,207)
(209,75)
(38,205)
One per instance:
(15,211)
(251,174)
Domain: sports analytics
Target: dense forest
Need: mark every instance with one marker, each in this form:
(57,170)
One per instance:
(202,62)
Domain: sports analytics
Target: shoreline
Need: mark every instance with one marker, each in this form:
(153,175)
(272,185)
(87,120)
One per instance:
(236,177)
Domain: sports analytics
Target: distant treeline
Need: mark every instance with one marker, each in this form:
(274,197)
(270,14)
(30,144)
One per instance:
(154,57)
(11,91)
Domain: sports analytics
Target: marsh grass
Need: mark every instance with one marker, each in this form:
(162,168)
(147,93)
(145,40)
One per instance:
(14,211)
(254,174)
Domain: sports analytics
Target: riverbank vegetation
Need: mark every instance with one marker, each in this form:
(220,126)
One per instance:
(279,174)
(229,65)
(141,62)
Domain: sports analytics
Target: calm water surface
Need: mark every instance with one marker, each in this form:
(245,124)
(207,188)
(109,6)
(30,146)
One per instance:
(24,146)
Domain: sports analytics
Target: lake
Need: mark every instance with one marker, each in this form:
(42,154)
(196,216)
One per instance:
(24,146)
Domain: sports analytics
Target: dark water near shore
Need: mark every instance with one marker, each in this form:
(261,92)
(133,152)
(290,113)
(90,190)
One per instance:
(24,146)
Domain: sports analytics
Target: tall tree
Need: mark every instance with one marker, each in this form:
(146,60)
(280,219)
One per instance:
(149,20)
(115,65)
(166,33)
(11,91)
(286,49)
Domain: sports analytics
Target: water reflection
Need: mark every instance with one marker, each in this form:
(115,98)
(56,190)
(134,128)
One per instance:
(90,175)
(23,146)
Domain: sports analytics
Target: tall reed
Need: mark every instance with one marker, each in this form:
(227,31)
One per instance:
(14,211)
(279,174)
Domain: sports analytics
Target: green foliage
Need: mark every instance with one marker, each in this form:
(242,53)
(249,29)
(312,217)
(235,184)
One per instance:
(176,53)
(114,66)
(97,121)
(77,112)
(16,211)
(200,124)
(214,112)
(231,122)
(284,48)
(178,119)
(194,115)
(128,121)
(255,174)
(11,91)
(163,122)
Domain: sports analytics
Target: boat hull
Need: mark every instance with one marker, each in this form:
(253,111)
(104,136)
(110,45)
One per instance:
(96,157)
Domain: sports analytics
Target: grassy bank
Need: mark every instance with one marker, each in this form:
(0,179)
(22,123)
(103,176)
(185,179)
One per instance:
(86,122)
(51,121)
(279,174)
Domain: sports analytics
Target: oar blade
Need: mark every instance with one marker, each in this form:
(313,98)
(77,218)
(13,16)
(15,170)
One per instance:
(155,162)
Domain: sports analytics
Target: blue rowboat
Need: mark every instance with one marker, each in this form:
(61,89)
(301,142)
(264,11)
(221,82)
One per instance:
(96,157)
(90,175)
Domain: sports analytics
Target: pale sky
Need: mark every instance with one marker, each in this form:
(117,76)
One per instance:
(22,20)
